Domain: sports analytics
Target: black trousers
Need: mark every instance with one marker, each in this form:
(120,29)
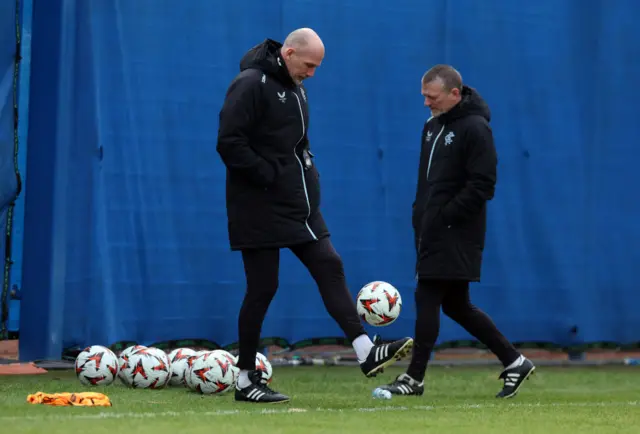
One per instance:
(261,270)
(453,297)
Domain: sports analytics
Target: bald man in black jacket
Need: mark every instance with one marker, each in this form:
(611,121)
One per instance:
(273,201)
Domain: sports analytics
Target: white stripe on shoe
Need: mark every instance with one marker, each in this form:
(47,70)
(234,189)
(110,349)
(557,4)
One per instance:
(255,395)
(406,390)
(382,352)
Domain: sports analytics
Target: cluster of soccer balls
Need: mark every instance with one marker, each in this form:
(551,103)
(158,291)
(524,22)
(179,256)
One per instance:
(140,367)
(207,372)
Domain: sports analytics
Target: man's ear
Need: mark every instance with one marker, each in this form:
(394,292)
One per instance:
(288,52)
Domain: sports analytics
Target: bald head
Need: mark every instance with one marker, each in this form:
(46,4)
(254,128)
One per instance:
(304,38)
(303,52)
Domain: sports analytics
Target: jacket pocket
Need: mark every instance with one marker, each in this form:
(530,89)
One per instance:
(432,230)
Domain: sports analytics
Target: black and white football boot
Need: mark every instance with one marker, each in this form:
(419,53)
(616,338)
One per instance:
(405,385)
(383,355)
(514,377)
(258,391)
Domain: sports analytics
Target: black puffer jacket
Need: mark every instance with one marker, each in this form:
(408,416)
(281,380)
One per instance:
(457,177)
(273,190)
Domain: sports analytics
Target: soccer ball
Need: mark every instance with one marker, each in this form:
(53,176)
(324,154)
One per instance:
(96,366)
(124,372)
(264,366)
(233,360)
(179,364)
(379,303)
(187,379)
(212,373)
(230,357)
(150,368)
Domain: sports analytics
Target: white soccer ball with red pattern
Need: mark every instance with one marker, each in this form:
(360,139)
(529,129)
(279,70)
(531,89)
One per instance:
(179,359)
(264,366)
(379,303)
(96,366)
(230,357)
(187,379)
(150,368)
(212,373)
(124,368)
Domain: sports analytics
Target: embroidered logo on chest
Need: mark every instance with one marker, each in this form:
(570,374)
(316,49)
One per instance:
(448,139)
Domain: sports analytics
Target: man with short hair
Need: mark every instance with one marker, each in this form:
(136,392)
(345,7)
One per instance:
(456,178)
(273,201)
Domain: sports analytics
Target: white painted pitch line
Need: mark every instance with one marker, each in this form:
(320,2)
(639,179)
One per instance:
(292,410)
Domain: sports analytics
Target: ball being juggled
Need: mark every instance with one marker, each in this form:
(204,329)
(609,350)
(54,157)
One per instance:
(379,303)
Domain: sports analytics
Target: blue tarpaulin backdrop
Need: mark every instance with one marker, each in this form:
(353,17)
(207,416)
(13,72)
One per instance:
(8,180)
(125,230)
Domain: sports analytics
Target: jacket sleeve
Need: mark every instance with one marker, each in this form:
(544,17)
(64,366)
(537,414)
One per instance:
(239,115)
(422,169)
(481,162)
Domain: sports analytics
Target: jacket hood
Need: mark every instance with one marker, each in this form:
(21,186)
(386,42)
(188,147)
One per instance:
(266,58)
(471,104)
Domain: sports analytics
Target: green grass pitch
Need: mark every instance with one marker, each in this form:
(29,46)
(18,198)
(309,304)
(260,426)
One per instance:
(338,400)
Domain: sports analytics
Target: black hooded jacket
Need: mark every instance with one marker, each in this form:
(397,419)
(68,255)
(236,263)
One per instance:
(456,178)
(272,191)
